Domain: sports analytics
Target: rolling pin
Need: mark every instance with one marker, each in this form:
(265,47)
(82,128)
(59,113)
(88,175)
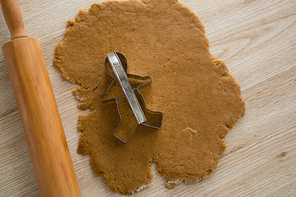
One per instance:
(38,110)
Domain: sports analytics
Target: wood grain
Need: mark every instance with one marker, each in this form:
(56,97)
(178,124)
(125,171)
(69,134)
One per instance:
(256,38)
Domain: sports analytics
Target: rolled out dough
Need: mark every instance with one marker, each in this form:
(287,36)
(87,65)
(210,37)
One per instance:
(200,100)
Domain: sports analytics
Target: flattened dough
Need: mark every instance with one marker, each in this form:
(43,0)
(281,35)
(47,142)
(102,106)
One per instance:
(200,100)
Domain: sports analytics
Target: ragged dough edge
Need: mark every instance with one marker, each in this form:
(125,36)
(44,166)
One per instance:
(222,71)
(83,147)
(139,188)
(173,183)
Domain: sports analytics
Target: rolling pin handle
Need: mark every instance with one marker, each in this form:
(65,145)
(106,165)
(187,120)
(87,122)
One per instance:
(13,18)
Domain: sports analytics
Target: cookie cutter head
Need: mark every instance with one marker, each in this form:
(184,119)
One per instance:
(116,66)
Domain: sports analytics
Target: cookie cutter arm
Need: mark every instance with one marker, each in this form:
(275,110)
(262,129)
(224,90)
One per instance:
(126,87)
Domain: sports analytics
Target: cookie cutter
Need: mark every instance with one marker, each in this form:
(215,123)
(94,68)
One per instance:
(132,95)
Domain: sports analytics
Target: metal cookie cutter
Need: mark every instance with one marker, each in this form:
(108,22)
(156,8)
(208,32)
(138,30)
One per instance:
(130,103)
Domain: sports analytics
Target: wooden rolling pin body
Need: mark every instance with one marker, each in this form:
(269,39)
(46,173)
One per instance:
(40,118)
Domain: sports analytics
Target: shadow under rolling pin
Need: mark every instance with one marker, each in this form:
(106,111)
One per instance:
(40,117)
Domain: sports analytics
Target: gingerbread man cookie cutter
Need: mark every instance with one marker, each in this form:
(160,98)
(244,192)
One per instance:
(135,99)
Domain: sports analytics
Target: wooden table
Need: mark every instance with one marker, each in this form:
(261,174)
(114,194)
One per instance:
(257,40)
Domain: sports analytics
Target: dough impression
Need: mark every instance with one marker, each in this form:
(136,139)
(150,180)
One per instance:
(200,100)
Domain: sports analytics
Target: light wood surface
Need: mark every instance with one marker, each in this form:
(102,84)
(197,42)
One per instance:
(257,40)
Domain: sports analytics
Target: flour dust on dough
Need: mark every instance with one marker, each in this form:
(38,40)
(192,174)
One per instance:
(200,100)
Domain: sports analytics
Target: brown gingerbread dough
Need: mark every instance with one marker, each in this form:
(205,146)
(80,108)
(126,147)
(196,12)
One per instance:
(200,100)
